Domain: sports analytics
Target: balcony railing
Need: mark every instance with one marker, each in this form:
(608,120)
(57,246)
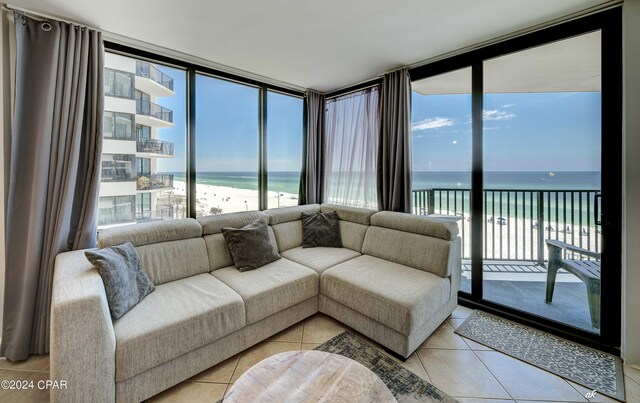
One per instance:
(148,108)
(155,181)
(161,213)
(148,70)
(154,146)
(517,222)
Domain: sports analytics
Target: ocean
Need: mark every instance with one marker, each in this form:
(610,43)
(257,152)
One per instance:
(288,181)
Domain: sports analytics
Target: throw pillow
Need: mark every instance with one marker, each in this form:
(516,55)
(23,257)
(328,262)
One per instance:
(321,229)
(250,246)
(125,284)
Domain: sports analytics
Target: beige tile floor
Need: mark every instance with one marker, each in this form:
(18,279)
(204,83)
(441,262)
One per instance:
(464,369)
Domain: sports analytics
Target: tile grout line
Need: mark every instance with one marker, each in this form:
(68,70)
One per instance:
(424,367)
(494,377)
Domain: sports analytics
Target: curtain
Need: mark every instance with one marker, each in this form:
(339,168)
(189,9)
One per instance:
(311,190)
(54,170)
(351,133)
(394,152)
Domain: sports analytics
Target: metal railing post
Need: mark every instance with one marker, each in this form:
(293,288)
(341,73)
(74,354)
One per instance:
(540,203)
(431,201)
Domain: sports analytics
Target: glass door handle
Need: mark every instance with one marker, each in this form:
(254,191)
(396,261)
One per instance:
(597,217)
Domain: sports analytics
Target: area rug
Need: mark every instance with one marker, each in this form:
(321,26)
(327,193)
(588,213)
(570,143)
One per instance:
(591,368)
(404,385)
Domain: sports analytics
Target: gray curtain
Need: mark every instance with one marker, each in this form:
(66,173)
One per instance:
(394,152)
(54,170)
(311,177)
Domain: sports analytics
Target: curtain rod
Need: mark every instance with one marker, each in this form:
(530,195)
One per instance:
(342,94)
(41,16)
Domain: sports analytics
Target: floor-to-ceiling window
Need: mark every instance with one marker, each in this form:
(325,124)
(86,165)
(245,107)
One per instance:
(144,142)
(543,228)
(542,174)
(283,149)
(227,146)
(441,152)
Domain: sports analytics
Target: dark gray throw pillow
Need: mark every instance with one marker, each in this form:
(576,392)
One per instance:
(125,284)
(250,246)
(321,229)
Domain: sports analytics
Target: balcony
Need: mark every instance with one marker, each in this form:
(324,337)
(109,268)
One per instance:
(516,223)
(152,81)
(154,115)
(154,147)
(161,213)
(154,182)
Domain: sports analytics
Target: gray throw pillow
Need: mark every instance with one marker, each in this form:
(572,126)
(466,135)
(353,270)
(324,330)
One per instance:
(250,246)
(321,229)
(125,284)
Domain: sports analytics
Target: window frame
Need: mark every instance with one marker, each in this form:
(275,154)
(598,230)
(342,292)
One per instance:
(114,73)
(192,69)
(609,23)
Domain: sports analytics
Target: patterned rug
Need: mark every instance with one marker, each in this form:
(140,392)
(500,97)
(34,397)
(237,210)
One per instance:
(404,385)
(591,368)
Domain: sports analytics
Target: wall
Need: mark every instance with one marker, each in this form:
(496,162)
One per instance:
(631,196)
(4,110)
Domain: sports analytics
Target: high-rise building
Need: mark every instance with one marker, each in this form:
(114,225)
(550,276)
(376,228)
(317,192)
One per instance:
(131,189)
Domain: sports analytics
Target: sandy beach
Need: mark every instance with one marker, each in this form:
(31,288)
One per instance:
(517,239)
(229,200)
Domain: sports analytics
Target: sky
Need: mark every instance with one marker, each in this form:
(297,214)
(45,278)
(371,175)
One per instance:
(522,132)
(227,127)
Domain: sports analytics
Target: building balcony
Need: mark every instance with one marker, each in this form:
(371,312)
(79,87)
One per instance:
(154,115)
(152,81)
(161,213)
(154,148)
(154,182)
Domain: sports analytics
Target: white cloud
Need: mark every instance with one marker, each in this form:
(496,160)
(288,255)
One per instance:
(507,106)
(495,114)
(434,123)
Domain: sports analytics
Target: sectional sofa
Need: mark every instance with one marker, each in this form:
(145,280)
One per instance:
(395,280)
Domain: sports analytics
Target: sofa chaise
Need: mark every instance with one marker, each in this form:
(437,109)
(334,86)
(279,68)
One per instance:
(394,280)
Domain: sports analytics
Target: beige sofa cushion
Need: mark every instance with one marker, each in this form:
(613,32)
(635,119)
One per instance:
(150,232)
(270,288)
(288,235)
(176,318)
(352,235)
(169,261)
(351,214)
(395,295)
(319,259)
(213,224)
(413,250)
(433,227)
(286,214)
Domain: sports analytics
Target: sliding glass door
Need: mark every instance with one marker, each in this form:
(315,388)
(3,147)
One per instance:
(531,146)
(542,180)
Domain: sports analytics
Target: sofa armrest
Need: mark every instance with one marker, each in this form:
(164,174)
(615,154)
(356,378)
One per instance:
(83,342)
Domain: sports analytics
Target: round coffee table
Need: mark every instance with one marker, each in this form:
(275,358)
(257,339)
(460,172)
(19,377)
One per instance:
(308,376)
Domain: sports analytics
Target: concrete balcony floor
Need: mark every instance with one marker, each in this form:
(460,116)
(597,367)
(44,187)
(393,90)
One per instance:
(522,285)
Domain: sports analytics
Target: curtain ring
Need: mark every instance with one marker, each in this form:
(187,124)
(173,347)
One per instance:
(45,26)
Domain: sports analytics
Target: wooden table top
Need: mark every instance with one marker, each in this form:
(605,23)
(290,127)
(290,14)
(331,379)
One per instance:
(308,376)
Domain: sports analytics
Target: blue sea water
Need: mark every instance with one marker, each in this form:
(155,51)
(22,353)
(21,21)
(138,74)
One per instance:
(531,180)
(511,180)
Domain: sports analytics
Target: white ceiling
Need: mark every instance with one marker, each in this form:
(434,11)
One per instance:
(319,44)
